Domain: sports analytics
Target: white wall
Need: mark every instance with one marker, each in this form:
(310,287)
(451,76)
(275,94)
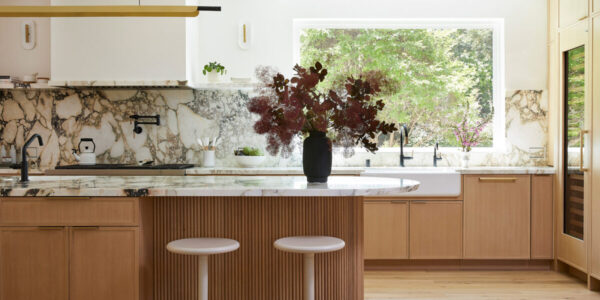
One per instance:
(16,61)
(213,36)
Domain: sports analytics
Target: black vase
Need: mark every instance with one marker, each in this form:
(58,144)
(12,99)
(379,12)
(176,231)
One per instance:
(316,157)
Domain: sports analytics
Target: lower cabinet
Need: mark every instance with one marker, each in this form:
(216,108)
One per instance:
(69,263)
(497,217)
(104,263)
(69,248)
(435,230)
(386,229)
(34,263)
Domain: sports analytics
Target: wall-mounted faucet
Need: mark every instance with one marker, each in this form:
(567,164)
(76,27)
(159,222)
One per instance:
(403,141)
(24,165)
(436,156)
(136,125)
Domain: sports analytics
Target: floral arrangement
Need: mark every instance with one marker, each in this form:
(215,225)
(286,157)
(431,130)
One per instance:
(292,107)
(468,133)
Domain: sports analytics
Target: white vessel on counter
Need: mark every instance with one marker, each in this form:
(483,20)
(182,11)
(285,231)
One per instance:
(87,155)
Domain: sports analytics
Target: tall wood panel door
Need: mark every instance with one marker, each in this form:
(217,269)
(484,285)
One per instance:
(386,229)
(435,230)
(104,263)
(572,11)
(595,201)
(34,263)
(575,146)
(497,217)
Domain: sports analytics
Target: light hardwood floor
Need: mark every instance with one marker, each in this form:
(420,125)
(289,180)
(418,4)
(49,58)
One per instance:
(474,285)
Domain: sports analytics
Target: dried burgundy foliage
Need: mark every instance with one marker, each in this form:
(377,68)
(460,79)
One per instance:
(289,107)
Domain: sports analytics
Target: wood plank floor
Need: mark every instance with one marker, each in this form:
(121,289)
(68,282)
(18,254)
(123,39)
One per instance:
(474,285)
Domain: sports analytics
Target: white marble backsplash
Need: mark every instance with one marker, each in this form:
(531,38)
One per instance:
(63,116)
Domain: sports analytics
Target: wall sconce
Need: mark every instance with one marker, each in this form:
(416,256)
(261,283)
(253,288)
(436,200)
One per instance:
(28,35)
(245,35)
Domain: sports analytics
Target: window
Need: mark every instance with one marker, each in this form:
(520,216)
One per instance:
(432,71)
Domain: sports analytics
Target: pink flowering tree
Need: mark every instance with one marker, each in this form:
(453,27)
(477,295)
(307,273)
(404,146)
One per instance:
(467,132)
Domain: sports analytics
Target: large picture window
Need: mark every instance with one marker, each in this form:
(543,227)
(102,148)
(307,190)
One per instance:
(433,71)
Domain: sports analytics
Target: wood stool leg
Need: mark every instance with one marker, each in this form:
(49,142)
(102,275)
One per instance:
(309,276)
(203,277)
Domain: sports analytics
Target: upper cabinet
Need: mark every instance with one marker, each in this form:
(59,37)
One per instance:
(571,11)
(595,5)
(121,49)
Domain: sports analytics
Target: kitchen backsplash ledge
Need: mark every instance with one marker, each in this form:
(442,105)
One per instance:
(63,116)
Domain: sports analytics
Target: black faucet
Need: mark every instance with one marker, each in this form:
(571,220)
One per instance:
(436,157)
(24,165)
(403,141)
(136,126)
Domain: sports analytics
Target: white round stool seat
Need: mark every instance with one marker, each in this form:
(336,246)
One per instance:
(203,246)
(309,244)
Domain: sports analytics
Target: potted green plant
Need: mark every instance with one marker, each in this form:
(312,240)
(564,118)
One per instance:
(213,70)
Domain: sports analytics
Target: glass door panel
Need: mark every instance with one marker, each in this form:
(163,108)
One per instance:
(574,121)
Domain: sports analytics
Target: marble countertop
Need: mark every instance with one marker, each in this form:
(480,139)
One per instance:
(360,170)
(138,186)
(268,171)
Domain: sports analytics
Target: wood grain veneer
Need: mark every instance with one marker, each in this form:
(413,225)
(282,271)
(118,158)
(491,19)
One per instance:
(257,270)
(542,202)
(69,211)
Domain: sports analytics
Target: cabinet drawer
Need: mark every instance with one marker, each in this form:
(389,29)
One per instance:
(68,211)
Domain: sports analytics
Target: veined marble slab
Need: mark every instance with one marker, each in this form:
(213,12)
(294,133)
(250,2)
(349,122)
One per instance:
(268,171)
(139,186)
(508,170)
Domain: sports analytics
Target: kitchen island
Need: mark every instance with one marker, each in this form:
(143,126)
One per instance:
(107,235)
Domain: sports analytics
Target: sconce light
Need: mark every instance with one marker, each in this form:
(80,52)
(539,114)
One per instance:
(28,35)
(245,35)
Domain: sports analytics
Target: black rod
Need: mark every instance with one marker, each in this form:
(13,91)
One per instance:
(209,8)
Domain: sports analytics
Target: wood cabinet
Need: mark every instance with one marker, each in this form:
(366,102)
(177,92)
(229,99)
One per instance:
(595,199)
(104,263)
(595,6)
(386,229)
(497,217)
(34,263)
(542,217)
(435,230)
(572,11)
(61,251)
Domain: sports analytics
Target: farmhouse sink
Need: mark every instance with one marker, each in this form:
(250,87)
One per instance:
(435,182)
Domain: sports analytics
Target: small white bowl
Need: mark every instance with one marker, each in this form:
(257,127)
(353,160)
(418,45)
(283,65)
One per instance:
(249,161)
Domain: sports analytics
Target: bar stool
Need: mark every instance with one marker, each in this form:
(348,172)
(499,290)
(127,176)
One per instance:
(309,245)
(203,247)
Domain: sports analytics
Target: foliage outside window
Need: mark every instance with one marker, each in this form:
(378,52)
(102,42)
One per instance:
(429,75)
(575,60)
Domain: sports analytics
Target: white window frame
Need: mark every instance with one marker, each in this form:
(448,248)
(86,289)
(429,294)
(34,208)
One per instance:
(496,24)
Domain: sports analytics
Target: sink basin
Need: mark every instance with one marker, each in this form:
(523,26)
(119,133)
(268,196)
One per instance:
(435,182)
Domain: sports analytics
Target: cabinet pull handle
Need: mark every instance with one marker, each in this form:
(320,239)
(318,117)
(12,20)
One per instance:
(497,179)
(50,227)
(582,132)
(399,201)
(582,18)
(87,227)
(70,198)
(418,202)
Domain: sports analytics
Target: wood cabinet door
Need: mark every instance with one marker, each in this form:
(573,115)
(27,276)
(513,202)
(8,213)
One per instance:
(572,11)
(497,217)
(34,263)
(386,229)
(542,217)
(435,230)
(104,263)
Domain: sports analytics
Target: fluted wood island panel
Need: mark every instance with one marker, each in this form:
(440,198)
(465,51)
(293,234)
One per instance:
(257,270)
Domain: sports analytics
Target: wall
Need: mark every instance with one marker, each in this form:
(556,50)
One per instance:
(63,116)
(16,61)
(214,36)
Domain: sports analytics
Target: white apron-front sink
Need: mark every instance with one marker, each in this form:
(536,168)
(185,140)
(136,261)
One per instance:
(435,182)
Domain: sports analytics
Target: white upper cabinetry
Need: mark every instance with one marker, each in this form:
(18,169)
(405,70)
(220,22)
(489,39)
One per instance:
(120,49)
(572,11)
